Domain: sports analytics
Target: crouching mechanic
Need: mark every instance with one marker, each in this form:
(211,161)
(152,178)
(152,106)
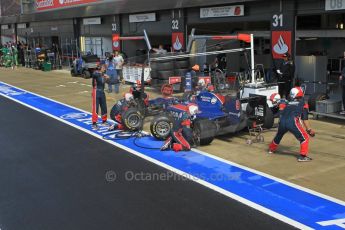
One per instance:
(98,96)
(121,106)
(294,118)
(181,136)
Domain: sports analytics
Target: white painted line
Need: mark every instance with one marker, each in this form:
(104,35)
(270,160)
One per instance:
(179,172)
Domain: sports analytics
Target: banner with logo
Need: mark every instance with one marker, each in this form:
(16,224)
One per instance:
(42,5)
(281,43)
(177,41)
(116,42)
(222,11)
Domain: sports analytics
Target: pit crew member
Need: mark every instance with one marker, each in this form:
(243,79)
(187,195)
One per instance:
(294,119)
(181,136)
(121,106)
(98,96)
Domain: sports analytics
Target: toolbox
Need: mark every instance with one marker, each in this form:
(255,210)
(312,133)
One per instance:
(328,106)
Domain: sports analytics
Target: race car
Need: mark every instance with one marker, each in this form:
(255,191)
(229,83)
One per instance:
(217,115)
(133,115)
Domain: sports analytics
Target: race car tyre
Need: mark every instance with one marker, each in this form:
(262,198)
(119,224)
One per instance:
(165,74)
(161,126)
(315,97)
(73,74)
(132,119)
(157,66)
(182,64)
(180,72)
(86,74)
(269,118)
(204,132)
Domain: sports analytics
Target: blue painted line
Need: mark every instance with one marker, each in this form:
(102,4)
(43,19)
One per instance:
(293,203)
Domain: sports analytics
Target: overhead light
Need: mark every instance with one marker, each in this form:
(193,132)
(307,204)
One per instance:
(340,26)
(309,39)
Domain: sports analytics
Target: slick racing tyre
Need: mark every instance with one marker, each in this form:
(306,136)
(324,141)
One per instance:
(86,74)
(132,119)
(204,132)
(269,118)
(73,74)
(161,126)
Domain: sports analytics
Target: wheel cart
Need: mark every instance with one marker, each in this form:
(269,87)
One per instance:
(255,135)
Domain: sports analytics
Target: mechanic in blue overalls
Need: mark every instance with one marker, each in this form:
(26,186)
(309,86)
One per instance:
(111,72)
(98,96)
(181,136)
(294,119)
(121,106)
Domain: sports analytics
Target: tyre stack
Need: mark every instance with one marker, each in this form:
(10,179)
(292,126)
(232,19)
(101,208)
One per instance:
(162,70)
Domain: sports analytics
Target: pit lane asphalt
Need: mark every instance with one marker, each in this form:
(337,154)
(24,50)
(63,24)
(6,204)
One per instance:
(52,176)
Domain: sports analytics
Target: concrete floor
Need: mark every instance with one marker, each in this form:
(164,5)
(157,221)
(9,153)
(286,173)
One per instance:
(325,174)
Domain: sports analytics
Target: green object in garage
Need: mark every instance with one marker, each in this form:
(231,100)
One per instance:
(47,66)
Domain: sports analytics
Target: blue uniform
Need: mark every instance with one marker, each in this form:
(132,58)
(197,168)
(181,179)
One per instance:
(111,72)
(98,97)
(291,115)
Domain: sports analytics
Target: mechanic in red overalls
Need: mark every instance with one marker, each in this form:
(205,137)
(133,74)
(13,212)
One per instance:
(294,118)
(181,136)
(98,96)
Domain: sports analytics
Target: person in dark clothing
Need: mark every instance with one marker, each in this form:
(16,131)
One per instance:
(220,60)
(98,97)
(285,72)
(121,106)
(294,119)
(342,84)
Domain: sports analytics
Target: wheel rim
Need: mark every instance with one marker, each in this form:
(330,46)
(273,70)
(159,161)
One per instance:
(133,120)
(163,128)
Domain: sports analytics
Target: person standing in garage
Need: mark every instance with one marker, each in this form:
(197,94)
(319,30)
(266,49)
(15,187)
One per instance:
(342,83)
(119,61)
(220,61)
(286,73)
(112,73)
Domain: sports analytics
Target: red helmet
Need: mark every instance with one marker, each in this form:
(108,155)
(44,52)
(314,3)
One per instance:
(296,92)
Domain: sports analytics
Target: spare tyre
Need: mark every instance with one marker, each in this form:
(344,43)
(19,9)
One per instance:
(182,64)
(180,72)
(161,126)
(132,119)
(204,131)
